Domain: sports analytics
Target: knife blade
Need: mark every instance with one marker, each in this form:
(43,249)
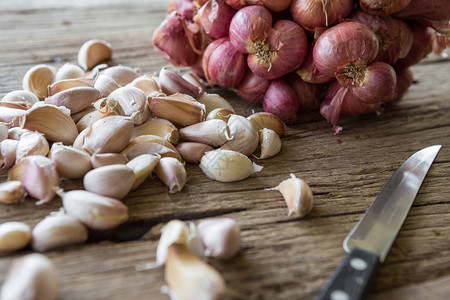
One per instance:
(368,243)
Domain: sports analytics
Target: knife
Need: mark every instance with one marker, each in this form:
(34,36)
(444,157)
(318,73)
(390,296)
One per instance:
(370,240)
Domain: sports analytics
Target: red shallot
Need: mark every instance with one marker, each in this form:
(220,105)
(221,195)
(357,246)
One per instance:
(383,7)
(281,101)
(308,94)
(253,88)
(308,71)
(186,8)
(404,80)
(215,18)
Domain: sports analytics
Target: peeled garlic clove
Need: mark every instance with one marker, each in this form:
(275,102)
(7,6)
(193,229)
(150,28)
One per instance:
(172,172)
(37,79)
(14,236)
(188,277)
(270,143)
(57,231)
(21,96)
(31,143)
(180,109)
(129,101)
(213,101)
(194,80)
(192,152)
(149,84)
(142,166)
(122,75)
(245,135)
(108,135)
(70,162)
(106,85)
(75,99)
(297,194)
(220,236)
(220,113)
(90,118)
(94,52)
(174,232)
(105,159)
(8,153)
(114,181)
(77,116)
(95,211)
(263,120)
(172,82)
(68,71)
(32,276)
(38,176)
(11,192)
(150,144)
(159,127)
(3,131)
(227,165)
(65,84)
(213,132)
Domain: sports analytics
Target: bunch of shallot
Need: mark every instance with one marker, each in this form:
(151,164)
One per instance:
(343,57)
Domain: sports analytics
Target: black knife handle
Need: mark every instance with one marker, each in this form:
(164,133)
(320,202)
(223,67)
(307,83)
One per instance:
(352,277)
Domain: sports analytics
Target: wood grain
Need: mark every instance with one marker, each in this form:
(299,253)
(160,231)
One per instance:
(281,257)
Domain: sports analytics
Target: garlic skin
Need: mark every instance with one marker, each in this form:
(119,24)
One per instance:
(221,237)
(172,172)
(94,52)
(31,143)
(70,162)
(244,133)
(297,194)
(68,71)
(192,152)
(227,165)
(14,236)
(213,132)
(214,101)
(129,101)
(21,96)
(160,127)
(105,159)
(75,99)
(270,143)
(31,277)
(174,232)
(8,153)
(142,166)
(11,192)
(267,120)
(113,181)
(37,79)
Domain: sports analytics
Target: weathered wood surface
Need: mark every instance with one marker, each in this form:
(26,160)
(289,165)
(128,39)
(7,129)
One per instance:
(281,257)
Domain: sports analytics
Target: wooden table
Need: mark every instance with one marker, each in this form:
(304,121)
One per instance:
(281,257)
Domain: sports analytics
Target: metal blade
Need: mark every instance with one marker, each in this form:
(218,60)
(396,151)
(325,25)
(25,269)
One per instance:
(377,229)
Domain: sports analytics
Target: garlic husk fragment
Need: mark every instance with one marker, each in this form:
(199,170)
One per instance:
(114,181)
(75,99)
(70,162)
(148,83)
(21,96)
(180,109)
(94,52)
(150,144)
(142,166)
(8,153)
(14,236)
(31,143)
(95,211)
(68,71)
(192,152)
(194,80)
(270,143)
(160,127)
(213,132)
(190,278)
(227,165)
(31,277)
(11,191)
(122,75)
(3,131)
(90,118)
(297,194)
(129,101)
(172,173)
(57,231)
(105,159)
(214,101)
(245,135)
(106,85)
(220,113)
(263,120)
(172,82)
(37,79)
(38,176)
(174,232)
(220,236)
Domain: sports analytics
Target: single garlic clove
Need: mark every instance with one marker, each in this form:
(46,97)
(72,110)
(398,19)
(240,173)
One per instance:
(106,85)
(11,191)
(3,131)
(65,84)
(194,80)
(148,83)
(160,127)
(297,194)
(114,181)
(174,232)
(213,132)
(172,82)
(245,135)
(220,113)
(95,211)
(11,115)
(38,176)
(68,71)
(188,277)
(122,75)
(227,165)
(78,143)
(180,109)
(15,132)
(142,166)
(214,101)
(94,52)
(14,236)
(172,172)
(32,276)
(8,153)
(90,118)
(31,143)
(37,79)
(21,96)
(150,144)
(57,231)
(77,116)
(220,236)
(270,143)
(263,120)
(106,159)
(192,152)
(70,162)
(75,99)
(129,101)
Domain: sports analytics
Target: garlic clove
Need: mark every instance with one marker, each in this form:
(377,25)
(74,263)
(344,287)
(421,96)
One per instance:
(172,173)
(70,162)
(8,153)
(38,176)
(37,79)
(189,277)
(245,135)
(160,127)
(150,144)
(148,83)
(194,80)
(174,232)
(214,101)
(21,96)
(142,166)
(220,113)
(297,194)
(3,131)
(95,211)
(227,166)
(57,231)
(77,116)
(122,75)
(263,120)
(75,99)
(78,143)
(220,236)
(94,52)
(11,115)
(11,192)
(129,101)
(106,159)
(31,143)
(192,152)
(68,71)
(213,132)
(32,276)
(90,118)
(106,85)
(270,143)
(14,236)
(113,181)
(172,82)
(65,84)
(180,109)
